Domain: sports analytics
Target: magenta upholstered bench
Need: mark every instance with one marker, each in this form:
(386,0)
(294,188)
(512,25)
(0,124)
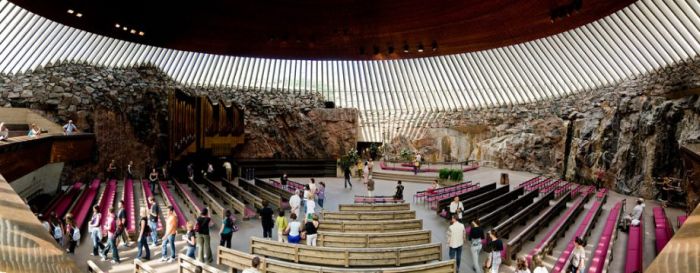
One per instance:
(604,246)
(635,247)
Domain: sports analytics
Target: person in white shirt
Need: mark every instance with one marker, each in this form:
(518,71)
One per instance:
(310,206)
(635,217)
(69,128)
(455,240)
(229,171)
(4,132)
(578,256)
(295,203)
(312,186)
(255,263)
(456,208)
(539,268)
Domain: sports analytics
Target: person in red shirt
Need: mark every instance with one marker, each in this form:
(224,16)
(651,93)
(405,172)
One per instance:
(111,228)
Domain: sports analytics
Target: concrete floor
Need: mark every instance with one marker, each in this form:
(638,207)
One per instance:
(336,194)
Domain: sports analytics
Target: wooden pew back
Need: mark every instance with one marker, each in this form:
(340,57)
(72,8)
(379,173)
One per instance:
(373,240)
(369,216)
(141,267)
(370,226)
(373,207)
(224,196)
(189,265)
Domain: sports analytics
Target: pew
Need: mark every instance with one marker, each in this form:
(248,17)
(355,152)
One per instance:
(107,201)
(530,182)
(170,201)
(516,243)
(361,199)
(634,261)
(373,207)
(346,257)
(273,198)
(242,194)
(213,205)
(511,208)
(146,190)
(370,226)
(84,204)
(62,206)
(444,204)
(369,216)
(583,231)
(93,268)
(238,260)
(129,206)
(662,228)
(487,196)
(425,193)
(189,265)
(142,267)
(549,241)
(603,252)
(373,240)
(474,210)
(433,199)
(191,201)
(282,193)
(229,200)
(505,227)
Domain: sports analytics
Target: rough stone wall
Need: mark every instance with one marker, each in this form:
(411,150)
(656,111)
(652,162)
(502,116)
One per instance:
(127,109)
(630,131)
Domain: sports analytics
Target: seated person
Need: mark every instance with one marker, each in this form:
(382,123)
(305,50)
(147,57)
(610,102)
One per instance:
(4,132)
(433,187)
(33,130)
(635,217)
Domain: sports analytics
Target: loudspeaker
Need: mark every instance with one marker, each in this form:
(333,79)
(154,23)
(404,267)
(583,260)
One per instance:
(329,104)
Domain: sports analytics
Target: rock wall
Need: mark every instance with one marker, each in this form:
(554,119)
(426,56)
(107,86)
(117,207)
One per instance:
(630,131)
(127,110)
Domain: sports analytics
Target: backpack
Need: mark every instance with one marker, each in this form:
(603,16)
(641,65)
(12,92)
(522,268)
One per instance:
(76,234)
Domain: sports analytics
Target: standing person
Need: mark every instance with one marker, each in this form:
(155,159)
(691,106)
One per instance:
(210,171)
(226,231)
(455,240)
(320,193)
(254,264)
(304,197)
(95,231)
(311,229)
(169,236)
(121,215)
(295,203)
(130,170)
(310,207)
(266,214)
(69,128)
(521,266)
(190,239)
(144,232)
(57,232)
(365,172)
(578,259)
(228,169)
(153,180)
(284,180)
(72,233)
(111,169)
(281,223)
(313,186)
(111,227)
(294,230)
(399,191)
(203,239)
(370,187)
(164,171)
(370,166)
(153,216)
(496,246)
(539,267)
(190,171)
(456,208)
(346,174)
(476,234)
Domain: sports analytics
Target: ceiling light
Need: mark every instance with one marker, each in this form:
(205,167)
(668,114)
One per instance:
(420,48)
(70,11)
(133,31)
(125,28)
(79,14)
(117,25)
(141,33)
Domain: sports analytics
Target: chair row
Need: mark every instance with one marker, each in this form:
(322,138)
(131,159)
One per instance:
(433,199)
(284,194)
(206,197)
(236,205)
(515,244)
(373,240)
(64,202)
(192,202)
(369,216)
(170,201)
(374,207)
(531,181)
(603,250)
(129,206)
(505,227)
(146,190)
(662,228)
(346,257)
(237,191)
(383,165)
(538,184)
(481,198)
(107,201)
(474,210)
(421,194)
(84,204)
(634,262)
(549,241)
(360,199)
(583,231)
(443,204)
(498,213)
(271,197)
(370,226)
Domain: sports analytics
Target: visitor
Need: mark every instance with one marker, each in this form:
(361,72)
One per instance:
(4,132)
(578,256)
(254,264)
(130,170)
(433,187)
(313,186)
(190,171)
(311,230)
(320,193)
(69,128)
(164,171)
(304,197)
(57,232)
(370,187)
(635,217)
(169,236)
(266,215)
(295,203)
(476,234)
(346,173)
(399,191)
(284,180)
(153,180)
(496,245)
(203,239)
(72,233)
(153,217)
(455,240)
(44,223)
(521,266)
(121,215)
(34,130)
(190,239)
(95,231)
(281,223)
(226,232)
(144,232)
(210,171)
(310,207)
(365,172)
(111,169)
(456,208)
(370,166)
(111,227)
(293,230)
(229,170)
(539,266)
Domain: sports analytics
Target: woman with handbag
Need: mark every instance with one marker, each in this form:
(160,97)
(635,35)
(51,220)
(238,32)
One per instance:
(493,262)
(226,231)
(578,256)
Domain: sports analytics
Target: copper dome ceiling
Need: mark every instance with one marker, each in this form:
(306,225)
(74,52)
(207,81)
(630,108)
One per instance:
(323,29)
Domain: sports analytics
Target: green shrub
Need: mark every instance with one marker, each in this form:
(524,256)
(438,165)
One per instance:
(456,175)
(444,174)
